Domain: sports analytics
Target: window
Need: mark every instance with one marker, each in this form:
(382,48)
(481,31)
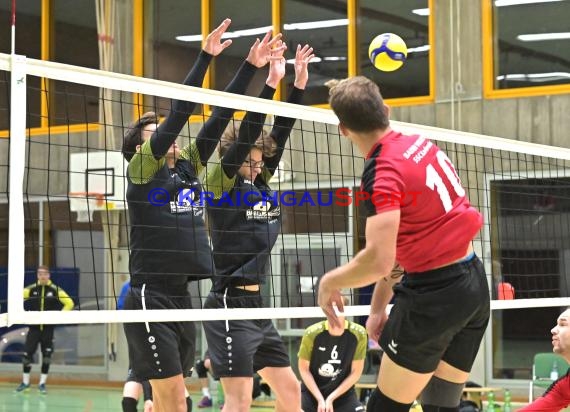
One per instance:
(256,18)
(297,264)
(74,42)
(173,51)
(312,211)
(530,44)
(323,25)
(173,40)
(409,19)
(28,43)
(529,238)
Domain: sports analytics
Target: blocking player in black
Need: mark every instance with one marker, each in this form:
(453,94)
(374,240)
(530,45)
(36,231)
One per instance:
(169,243)
(331,360)
(39,296)
(243,234)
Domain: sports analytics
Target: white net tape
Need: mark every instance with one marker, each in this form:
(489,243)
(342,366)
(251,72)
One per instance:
(486,164)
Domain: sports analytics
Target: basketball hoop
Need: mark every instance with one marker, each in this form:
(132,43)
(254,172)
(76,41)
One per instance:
(89,201)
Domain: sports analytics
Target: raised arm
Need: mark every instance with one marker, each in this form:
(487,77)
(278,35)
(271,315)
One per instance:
(283,125)
(252,123)
(168,131)
(259,54)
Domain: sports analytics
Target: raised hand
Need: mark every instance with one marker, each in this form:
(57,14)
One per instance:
(213,43)
(302,58)
(261,52)
(276,65)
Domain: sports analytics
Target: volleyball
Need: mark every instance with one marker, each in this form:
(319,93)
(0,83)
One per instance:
(387,52)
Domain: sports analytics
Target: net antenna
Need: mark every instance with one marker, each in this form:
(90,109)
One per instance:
(13,24)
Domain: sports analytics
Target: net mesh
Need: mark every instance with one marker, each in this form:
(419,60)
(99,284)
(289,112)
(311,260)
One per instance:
(522,189)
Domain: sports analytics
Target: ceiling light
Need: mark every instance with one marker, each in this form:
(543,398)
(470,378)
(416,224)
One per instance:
(315,24)
(544,36)
(229,34)
(419,49)
(502,3)
(535,77)
(319,59)
(421,12)
(310,25)
(313,60)
(334,58)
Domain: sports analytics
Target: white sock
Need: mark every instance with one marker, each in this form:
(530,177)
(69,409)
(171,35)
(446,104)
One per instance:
(206,392)
(26,378)
(43,378)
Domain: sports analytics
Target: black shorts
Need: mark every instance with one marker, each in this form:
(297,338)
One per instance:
(39,335)
(346,403)
(164,349)
(438,315)
(246,346)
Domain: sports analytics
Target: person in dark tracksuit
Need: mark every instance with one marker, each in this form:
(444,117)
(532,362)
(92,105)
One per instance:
(39,296)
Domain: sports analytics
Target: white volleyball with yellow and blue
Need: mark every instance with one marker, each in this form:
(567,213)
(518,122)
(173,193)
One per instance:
(388,52)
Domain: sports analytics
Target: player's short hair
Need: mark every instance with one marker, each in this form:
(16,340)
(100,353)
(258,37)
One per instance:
(43,267)
(133,135)
(358,104)
(265,142)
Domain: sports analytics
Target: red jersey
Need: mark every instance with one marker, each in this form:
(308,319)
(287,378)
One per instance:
(412,174)
(556,398)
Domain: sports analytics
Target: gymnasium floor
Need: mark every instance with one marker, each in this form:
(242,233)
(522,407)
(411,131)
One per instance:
(73,399)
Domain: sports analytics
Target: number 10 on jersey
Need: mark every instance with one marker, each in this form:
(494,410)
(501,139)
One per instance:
(435,181)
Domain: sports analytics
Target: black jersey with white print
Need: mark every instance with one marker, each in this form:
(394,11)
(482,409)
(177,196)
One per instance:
(330,357)
(168,237)
(252,211)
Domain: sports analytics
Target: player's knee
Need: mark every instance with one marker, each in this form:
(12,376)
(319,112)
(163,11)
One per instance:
(441,394)
(379,402)
(46,361)
(129,404)
(201,369)
(46,358)
(26,360)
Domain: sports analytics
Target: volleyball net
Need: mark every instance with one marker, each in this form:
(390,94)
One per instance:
(64,183)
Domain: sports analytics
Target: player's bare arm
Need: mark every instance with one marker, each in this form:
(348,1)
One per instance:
(375,261)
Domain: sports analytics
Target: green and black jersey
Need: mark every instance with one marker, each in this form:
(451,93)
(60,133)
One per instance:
(168,237)
(245,216)
(330,357)
(39,297)
(169,242)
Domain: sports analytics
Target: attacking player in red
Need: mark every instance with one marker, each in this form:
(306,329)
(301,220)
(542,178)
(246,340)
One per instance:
(441,308)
